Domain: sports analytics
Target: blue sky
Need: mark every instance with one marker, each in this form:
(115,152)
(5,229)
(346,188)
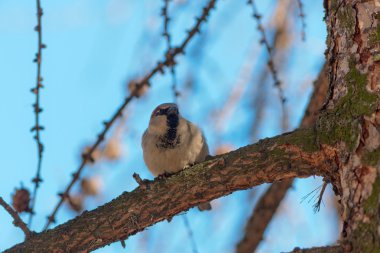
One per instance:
(93,49)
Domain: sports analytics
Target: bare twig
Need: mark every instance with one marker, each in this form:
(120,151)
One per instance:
(190,234)
(37,110)
(317,206)
(168,37)
(281,42)
(302,17)
(159,68)
(271,66)
(16,218)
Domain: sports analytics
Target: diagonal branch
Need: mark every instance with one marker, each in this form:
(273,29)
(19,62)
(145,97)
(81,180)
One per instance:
(262,214)
(17,221)
(270,201)
(283,157)
(159,68)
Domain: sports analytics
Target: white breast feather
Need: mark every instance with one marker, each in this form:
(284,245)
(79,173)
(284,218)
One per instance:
(192,149)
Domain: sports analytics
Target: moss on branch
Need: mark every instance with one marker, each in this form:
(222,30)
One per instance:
(342,122)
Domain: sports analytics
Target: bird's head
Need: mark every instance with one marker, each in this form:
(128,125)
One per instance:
(163,117)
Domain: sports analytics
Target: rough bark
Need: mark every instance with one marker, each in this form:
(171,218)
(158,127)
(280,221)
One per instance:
(267,205)
(351,119)
(328,249)
(283,157)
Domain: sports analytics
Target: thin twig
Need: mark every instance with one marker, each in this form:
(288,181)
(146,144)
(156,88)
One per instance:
(302,17)
(190,234)
(37,110)
(160,66)
(317,206)
(17,221)
(168,38)
(273,70)
(281,42)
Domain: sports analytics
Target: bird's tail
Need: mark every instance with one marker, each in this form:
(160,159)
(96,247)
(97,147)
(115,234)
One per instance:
(204,206)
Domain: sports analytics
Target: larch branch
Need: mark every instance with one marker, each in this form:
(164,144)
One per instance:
(264,41)
(287,156)
(37,110)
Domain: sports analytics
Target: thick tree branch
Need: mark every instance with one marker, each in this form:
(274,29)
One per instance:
(283,157)
(270,201)
(326,249)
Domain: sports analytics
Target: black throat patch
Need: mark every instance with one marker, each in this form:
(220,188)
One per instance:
(171,139)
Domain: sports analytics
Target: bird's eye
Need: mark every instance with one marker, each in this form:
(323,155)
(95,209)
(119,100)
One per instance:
(158,112)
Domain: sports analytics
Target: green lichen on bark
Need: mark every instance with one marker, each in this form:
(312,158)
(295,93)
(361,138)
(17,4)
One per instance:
(365,237)
(303,138)
(374,38)
(342,122)
(346,17)
(371,158)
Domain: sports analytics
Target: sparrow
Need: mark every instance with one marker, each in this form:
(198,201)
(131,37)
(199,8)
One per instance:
(172,143)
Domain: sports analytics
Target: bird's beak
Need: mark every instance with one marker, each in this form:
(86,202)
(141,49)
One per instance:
(172,110)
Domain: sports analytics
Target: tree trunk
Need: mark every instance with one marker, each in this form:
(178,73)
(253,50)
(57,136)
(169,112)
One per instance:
(351,117)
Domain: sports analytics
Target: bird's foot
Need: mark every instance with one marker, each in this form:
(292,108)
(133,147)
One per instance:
(208,157)
(164,175)
(188,166)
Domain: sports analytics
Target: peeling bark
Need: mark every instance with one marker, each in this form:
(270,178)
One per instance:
(283,157)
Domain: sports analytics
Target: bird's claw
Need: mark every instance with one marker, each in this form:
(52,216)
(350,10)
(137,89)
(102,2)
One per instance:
(164,175)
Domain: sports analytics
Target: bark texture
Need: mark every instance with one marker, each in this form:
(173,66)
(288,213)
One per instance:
(328,249)
(350,121)
(283,157)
